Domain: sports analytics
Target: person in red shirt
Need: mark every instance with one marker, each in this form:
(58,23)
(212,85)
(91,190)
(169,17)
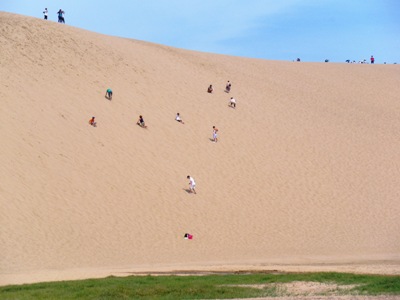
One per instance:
(372,59)
(92,122)
(188,236)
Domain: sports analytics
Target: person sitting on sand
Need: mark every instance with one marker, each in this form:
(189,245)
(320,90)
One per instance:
(178,118)
(92,122)
(232,102)
(109,94)
(140,122)
(188,236)
(210,89)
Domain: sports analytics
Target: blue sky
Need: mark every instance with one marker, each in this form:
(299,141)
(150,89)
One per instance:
(313,30)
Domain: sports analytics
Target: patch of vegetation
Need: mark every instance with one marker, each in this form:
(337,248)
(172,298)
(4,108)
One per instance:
(196,287)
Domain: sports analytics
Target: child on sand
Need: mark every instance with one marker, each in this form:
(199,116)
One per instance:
(210,89)
(92,122)
(215,135)
(192,184)
(178,118)
(109,94)
(140,122)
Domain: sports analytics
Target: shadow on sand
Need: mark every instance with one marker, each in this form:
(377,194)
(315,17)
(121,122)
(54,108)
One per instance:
(187,191)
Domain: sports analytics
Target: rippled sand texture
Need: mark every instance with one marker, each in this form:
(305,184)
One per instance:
(306,171)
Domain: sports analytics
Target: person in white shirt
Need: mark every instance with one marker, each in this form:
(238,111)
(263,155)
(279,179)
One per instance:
(215,134)
(46,13)
(192,184)
(178,118)
(232,102)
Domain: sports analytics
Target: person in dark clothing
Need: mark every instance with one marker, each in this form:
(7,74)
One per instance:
(61,16)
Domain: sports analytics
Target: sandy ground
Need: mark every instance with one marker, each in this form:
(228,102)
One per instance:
(305,175)
(328,298)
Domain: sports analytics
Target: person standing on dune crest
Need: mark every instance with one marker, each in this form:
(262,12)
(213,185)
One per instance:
(61,16)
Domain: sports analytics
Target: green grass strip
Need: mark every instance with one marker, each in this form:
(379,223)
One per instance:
(195,287)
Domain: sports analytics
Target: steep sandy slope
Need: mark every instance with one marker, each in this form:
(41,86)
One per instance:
(306,170)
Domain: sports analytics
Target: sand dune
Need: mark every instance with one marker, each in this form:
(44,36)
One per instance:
(306,173)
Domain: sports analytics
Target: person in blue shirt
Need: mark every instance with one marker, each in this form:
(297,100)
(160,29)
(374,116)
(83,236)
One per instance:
(109,94)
